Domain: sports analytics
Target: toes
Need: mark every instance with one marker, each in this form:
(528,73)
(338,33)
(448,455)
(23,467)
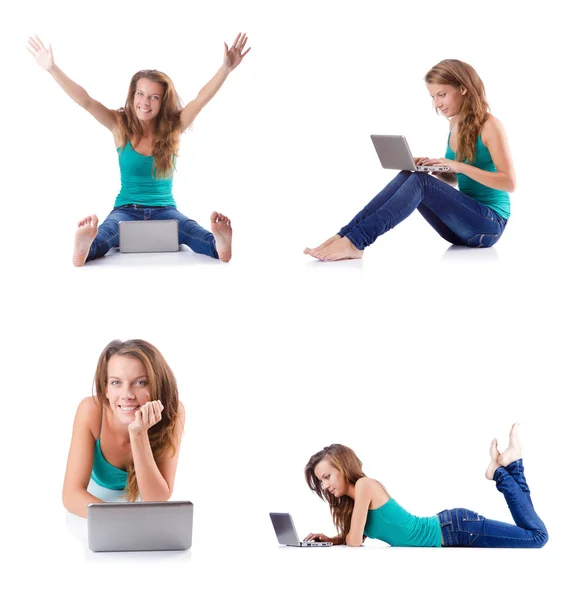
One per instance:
(214,217)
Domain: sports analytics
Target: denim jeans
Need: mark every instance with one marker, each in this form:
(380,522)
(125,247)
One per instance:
(463,527)
(189,232)
(457,218)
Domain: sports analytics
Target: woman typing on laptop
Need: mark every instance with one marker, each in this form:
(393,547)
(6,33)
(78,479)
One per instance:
(147,136)
(126,438)
(478,159)
(362,507)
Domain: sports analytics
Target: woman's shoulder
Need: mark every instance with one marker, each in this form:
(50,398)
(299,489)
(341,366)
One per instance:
(492,126)
(89,414)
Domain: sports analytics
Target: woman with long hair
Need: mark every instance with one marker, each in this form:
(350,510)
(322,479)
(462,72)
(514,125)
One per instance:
(126,437)
(478,160)
(146,133)
(362,507)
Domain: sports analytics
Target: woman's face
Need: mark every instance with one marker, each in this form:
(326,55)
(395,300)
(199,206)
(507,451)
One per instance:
(128,387)
(332,480)
(147,99)
(447,99)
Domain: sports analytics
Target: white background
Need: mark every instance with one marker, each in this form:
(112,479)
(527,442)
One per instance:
(415,356)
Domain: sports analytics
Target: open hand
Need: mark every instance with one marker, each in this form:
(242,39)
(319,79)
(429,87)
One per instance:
(147,416)
(43,56)
(233,56)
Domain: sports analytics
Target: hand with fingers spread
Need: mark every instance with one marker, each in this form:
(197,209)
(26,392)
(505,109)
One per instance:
(233,56)
(146,416)
(43,56)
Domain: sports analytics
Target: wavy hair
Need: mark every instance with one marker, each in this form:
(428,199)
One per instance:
(349,465)
(166,137)
(162,386)
(474,110)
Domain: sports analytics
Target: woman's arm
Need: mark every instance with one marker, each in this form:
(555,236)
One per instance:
(362,499)
(156,481)
(493,136)
(80,460)
(44,58)
(231,59)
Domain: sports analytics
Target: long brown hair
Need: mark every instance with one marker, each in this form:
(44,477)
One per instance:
(348,463)
(162,386)
(474,110)
(166,137)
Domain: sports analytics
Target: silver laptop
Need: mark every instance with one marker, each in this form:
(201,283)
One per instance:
(148,236)
(139,526)
(394,153)
(286,532)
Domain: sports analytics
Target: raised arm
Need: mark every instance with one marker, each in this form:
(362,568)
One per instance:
(44,58)
(231,59)
(155,480)
(80,460)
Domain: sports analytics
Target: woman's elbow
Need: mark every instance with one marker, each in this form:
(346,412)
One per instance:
(353,541)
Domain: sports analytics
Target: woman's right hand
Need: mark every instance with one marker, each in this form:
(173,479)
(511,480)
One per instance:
(43,56)
(419,160)
(317,537)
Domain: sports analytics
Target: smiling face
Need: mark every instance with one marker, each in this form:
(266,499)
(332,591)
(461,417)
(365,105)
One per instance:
(332,480)
(147,99)
(128,387)
(447,99)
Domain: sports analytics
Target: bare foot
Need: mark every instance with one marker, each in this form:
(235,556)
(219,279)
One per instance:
(85,234)
(332,239)
(339,250)
(513,451)
(222,232)
(494,460)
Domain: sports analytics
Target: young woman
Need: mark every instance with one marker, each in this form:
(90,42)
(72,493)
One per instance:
(126,438)
(147,136)
(478,159)
(362,507)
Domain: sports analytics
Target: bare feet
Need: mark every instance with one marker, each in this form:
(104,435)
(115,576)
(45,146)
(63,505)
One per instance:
(513,451)
(494,460)
(85,234)
(338,250)
(332,239)
(222,232)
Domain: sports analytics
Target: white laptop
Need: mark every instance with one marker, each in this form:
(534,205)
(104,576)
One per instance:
(148,236)
(139,526)
(286,532)
(394,153)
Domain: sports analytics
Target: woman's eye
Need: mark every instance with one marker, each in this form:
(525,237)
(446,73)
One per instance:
(141,382)
(114,382)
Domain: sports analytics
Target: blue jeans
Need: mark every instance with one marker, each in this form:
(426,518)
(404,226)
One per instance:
(189,232)
(457,218)
(463,527)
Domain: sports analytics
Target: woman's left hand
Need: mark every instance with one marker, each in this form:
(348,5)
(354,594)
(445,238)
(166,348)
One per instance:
(147,416)
(453,165)
(233,56)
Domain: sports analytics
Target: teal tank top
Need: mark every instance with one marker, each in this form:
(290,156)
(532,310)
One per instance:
(138,185)
(105,474)
(394,525)
(497,200)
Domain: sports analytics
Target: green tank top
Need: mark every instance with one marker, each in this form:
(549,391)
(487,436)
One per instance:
(497,200)
(138,185)
(394,525)
(105,474)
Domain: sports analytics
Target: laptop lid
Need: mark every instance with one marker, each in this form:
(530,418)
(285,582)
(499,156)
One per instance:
(284,528)
(148,236)
(139,526)
(393,152)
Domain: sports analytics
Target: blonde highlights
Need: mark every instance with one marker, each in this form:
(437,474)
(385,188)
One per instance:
(474,110)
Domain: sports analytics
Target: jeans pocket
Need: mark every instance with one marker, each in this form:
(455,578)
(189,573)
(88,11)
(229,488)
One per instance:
(483,240)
